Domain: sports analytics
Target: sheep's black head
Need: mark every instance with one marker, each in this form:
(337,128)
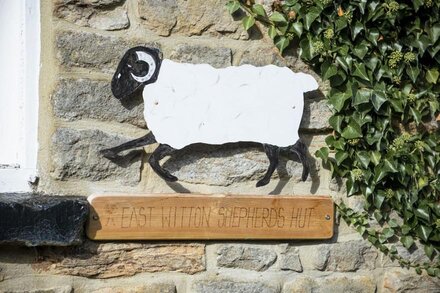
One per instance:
(139,67)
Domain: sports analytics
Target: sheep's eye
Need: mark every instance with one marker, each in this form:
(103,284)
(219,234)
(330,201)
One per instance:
(140,68)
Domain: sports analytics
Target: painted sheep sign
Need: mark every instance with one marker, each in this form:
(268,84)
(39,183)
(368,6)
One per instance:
(187,104)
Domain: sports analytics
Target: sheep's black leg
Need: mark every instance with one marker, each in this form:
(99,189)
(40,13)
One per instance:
(273,153)
(112,153)
(161,152)
(300,149)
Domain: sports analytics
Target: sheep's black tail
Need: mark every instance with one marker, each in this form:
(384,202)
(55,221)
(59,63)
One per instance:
(113,152)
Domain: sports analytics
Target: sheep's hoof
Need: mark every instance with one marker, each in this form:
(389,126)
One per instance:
(262,182)
(109,154)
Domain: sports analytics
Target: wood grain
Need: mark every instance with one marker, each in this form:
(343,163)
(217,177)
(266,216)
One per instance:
(198,216)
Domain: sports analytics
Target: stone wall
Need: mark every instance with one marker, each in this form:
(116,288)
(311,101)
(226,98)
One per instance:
(82,41)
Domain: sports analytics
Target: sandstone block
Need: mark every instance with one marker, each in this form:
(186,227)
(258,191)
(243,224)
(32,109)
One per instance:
(62,289)
(408,281)
(76,99)
(151,288)
(261,56)
(95,51)
(92,14)
(76,156)
(245,257)
(196,54)
(110,260)
(316,114)
(229,286)
(337,283)
(189,17)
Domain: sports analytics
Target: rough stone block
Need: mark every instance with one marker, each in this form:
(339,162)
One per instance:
(90,50)
(229,286)
(316,114)
(245,257)
(189,17)
(105,15)
(110,260)
(337,283)
(62,289)
(409,281)
(76,155)
(151,288)
(34,220)
(290,260)
(228,164)
(76,99)
(340,257)
(261,56)
(218,57)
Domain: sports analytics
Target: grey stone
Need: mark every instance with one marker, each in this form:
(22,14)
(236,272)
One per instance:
(93,16)
(76,156)
(190,17)
(230,286)
(104,260)
(227,164)
(314,257)
(245,257)
(408,281)
(90,50)
(150,288)
(290,260)
(316,114)
(338,283)
(262,56)
(62,289)
(351,256)
(196,54)
(76,99)
(34,220)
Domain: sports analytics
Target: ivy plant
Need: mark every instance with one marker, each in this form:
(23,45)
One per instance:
(382,61)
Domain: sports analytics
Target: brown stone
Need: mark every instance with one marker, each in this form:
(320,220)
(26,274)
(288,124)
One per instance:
(110,260)
(151,288)
(408,281)
(189,17)
(338,283)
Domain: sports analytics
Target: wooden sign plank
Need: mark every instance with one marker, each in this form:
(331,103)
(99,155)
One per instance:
(197,216)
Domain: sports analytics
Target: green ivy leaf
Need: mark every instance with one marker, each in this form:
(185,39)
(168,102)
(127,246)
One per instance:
(360,71)
(356,29)
(282,43)
(335,122)
(413,72)
(297,28)
(416,114)
(277,17)
(362,96)
(407,241)
(340,156)
(248,22)
(423,232)
(363,158)
(259,10)
(432,75)
(423,213)
(328,70)
(429,250)
(361,50)
(434,32)
(272,32)
(378,98)
(232,6)
(322,153)
(337,100)
(353,130)
(375,158)
(310,17)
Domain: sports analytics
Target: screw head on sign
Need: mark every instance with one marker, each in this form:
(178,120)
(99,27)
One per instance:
(327,217)
(95,217)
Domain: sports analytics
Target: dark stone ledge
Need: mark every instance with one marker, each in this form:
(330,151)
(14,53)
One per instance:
(37,220)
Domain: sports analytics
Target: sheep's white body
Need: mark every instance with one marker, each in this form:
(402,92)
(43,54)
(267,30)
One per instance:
(200,104)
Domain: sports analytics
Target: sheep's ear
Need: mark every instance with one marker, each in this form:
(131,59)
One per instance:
(139,66)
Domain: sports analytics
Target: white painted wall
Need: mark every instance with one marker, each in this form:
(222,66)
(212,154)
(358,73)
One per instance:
(20,63)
